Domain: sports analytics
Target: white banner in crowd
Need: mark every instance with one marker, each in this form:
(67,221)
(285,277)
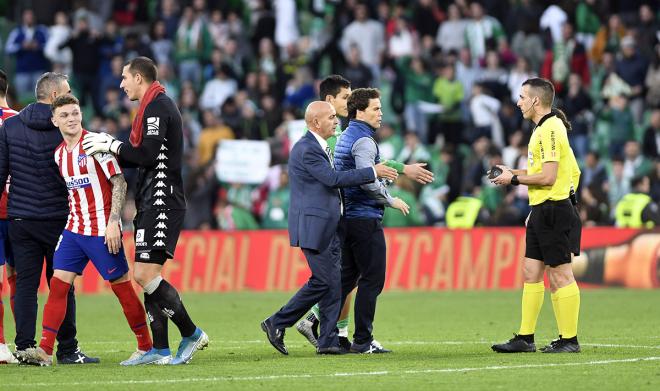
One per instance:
(296,129)
(242,161)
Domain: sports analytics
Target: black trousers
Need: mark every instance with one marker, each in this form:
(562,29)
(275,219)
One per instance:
(363,265)
(323,287)
(32,241)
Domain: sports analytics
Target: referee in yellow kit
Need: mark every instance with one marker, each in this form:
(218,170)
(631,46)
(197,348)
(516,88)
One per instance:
(553,226)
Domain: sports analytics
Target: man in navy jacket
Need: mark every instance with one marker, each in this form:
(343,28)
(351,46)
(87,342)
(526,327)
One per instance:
(314,215)
(37,211)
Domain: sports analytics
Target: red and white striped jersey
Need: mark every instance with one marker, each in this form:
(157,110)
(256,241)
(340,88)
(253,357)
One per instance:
(5,112)
(90,189)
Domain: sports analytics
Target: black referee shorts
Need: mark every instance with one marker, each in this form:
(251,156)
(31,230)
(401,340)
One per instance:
(156,233)
(554,230)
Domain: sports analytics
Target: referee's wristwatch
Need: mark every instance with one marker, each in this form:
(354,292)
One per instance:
(514,180)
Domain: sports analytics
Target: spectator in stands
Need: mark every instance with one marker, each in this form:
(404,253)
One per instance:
(26,42)
(161,45)
(57,35)
(587,22)
(651,140)
(631,67)
(480,29)
(647,30)
(593,171)
(451,34)
(652,81)
(369,36)
(416,95)
(85,44)
(635,164)
(357,72)
(483,110)
(608,38)
(214,132)
(193,46)
(201,189)
(449,94)
(277,206)
(567,56)
(577,106)
(618,118)
(218,90)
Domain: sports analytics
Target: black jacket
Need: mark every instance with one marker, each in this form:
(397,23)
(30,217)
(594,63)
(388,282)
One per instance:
(27,148)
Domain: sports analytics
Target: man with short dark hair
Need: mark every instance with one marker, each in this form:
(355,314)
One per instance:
(37,211)
(363,251)
(156,149)
(553,226)
(336,90)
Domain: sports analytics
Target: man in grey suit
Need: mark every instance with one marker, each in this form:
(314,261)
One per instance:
(314,215)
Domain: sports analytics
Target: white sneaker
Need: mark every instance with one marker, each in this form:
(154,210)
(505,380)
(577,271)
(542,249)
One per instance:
(5,355)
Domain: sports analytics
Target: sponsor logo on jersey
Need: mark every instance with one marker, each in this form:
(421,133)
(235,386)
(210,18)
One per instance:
(78,182)
(159,202)
(160,184)
(153,126)
(161,225)
(161,166)
(161,156)
(161,216)
(159,243)
(159,234)
(144,256)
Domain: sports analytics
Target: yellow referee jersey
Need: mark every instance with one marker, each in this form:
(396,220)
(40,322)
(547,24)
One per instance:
(549,143)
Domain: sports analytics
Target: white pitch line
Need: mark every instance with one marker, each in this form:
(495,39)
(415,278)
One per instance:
(339,374)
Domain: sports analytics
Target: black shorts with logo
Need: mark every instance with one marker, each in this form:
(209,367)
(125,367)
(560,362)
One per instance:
(156,233)
(554,231)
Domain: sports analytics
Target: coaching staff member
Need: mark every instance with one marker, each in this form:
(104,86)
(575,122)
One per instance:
(363,251)
(37,211)
(553,227)
(313,221)
(156,149)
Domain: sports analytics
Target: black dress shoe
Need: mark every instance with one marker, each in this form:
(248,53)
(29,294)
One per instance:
(331,350)
(564,346)
(517,344)
(344,343)
(275,336)
(77,357)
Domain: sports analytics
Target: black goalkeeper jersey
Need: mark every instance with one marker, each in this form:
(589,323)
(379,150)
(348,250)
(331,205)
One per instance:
(159,183)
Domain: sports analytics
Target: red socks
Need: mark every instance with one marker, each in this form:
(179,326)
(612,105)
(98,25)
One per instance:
(134,313)
(2,316)
(54,313)
(12,292)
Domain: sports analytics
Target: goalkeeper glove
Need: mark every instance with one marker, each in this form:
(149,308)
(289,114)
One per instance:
(100,142)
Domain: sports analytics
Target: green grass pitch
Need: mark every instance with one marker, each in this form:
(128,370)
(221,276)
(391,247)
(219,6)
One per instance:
(440,341)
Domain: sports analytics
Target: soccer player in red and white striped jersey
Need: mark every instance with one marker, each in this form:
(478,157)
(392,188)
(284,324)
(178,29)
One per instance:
(6,255)
(96,195)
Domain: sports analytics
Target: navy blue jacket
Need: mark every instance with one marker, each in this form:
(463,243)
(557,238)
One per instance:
(314,209)
(27,149)
(358,203)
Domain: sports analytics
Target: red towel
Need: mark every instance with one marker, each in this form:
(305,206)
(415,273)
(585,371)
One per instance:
(154,90)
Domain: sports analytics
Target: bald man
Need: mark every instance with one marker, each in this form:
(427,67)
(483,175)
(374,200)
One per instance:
(313,222)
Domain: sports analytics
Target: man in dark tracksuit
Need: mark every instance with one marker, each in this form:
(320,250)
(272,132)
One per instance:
(37,212)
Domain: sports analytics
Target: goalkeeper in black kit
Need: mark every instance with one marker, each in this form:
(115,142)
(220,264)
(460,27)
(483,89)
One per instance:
(156,149)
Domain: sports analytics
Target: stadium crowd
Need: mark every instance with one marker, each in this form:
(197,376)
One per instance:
(449,73)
